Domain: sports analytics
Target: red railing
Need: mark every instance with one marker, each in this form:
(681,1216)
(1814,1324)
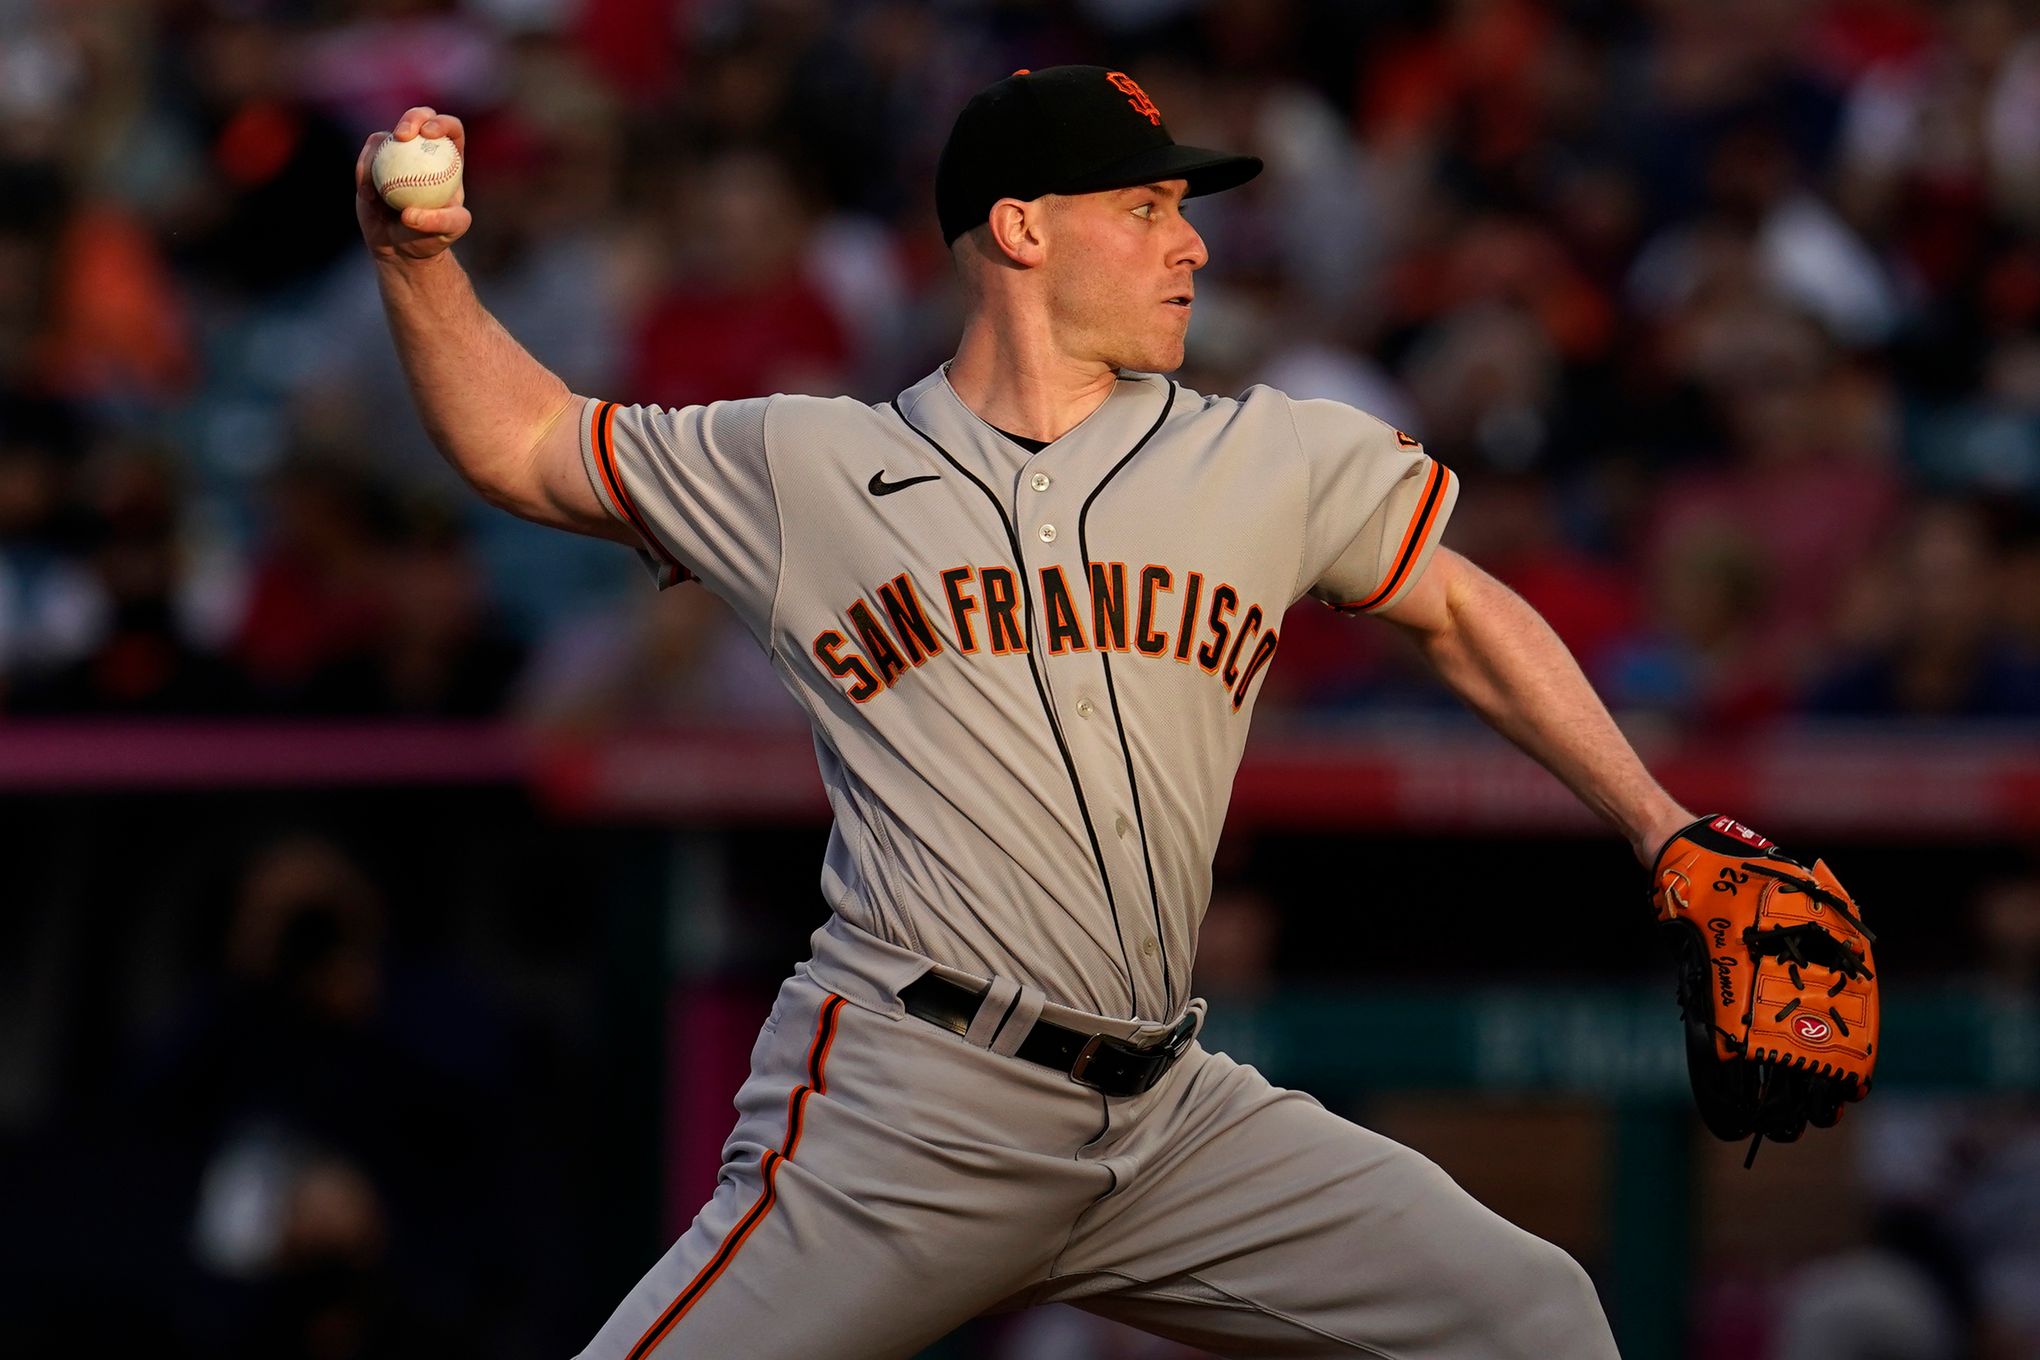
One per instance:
(1940,784)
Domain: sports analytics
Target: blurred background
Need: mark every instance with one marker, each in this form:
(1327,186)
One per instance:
(391,889)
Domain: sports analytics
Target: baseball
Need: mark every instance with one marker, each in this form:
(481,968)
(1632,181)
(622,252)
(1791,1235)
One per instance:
(421,173)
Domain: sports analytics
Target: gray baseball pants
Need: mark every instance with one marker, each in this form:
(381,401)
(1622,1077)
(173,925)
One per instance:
(888,1180)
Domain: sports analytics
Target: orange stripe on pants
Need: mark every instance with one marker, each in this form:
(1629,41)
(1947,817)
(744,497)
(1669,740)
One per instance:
(770,1162)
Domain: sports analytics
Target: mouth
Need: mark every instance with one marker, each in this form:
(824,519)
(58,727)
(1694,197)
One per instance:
(1180,300)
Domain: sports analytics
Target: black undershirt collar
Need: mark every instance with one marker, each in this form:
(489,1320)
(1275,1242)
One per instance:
(1031,445)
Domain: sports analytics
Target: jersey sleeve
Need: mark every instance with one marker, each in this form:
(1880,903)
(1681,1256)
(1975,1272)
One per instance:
(695,485)
(1377,505)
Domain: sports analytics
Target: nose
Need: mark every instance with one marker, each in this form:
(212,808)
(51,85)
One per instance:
(1190,252)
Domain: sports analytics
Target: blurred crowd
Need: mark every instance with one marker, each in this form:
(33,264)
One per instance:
(1728,311)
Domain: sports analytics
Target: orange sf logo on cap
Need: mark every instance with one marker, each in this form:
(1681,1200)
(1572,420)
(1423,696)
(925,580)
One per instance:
(1135,96)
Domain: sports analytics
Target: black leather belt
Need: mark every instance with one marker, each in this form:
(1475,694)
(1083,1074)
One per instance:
(1104,1062)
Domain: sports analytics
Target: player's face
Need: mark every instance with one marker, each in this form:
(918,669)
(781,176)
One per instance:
(1119,275)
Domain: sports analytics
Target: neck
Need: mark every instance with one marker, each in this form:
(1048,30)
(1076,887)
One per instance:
(1022,385)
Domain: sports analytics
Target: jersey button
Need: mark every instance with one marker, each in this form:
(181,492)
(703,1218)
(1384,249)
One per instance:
(1085,708)
(1040,481)
(1148,946)
(1122,826)
(1048,533)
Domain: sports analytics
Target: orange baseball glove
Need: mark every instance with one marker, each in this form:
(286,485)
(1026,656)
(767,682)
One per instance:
(1775,981)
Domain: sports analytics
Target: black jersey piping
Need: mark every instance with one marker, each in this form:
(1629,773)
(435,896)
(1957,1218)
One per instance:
(1048,709)
(1112,693)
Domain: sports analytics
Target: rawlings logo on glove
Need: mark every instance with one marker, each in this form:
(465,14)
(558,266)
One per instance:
(1775,981)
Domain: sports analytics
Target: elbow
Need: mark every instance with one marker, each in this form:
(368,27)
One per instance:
(502,483)
(1464,589)
(524,483)
(502,494)
(1440,601)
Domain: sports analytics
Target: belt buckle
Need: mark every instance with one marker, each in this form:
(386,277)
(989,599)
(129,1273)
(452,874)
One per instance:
(1170,1048)
(1085,1055)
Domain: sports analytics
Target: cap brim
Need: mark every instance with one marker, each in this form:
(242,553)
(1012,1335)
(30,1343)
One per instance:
(1208,172)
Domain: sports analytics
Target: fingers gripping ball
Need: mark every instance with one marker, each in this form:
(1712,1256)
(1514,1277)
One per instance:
(423,172)
(1776,981)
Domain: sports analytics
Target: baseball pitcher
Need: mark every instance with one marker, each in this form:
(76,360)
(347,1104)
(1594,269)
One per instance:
(1028,604)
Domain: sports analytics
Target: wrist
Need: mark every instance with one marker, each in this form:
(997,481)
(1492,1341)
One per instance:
(1648,840)
(390,259)
(429,281)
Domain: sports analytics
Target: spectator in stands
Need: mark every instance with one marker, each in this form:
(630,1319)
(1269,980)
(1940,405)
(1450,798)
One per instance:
(1727,246)
(88,309)
(1515,529)
(438,650)
(1486,376)
(1805,470)
(1701,662)
(33,219)
(1905,1294)
(334,1124)
(1924,637)
(46,591)
(2008,925)
(655,658)
(1936,137)
(2018,593)
(317,586)
(256,224)
(739,316)
(114,327)
(149,611)
(1802,250)
(370,56)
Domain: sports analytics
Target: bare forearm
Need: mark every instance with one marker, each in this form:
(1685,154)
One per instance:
(1506,663)
(483,399)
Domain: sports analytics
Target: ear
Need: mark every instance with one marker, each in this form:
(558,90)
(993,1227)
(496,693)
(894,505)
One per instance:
(1017,230)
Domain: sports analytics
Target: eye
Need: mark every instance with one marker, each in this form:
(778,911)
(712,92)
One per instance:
(1146,211)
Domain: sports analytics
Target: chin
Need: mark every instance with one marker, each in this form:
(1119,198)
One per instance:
(1162,358)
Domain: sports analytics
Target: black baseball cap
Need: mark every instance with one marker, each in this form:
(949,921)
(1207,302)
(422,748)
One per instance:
(1066,130)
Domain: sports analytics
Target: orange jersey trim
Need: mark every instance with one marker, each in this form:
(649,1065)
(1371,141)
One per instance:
(771,1161)
(1414,538)
(612,481)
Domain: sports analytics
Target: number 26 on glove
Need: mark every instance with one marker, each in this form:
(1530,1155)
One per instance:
(1777,983)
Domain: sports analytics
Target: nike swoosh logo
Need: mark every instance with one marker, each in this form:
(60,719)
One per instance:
(881,487)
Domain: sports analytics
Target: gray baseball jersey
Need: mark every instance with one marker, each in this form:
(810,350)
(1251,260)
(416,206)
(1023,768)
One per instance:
(1030,674)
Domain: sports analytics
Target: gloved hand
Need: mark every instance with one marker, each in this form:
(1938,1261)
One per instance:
(1776,982)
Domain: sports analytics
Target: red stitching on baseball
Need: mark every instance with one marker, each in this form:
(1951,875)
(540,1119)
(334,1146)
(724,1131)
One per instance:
(440,178)
(406,181)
